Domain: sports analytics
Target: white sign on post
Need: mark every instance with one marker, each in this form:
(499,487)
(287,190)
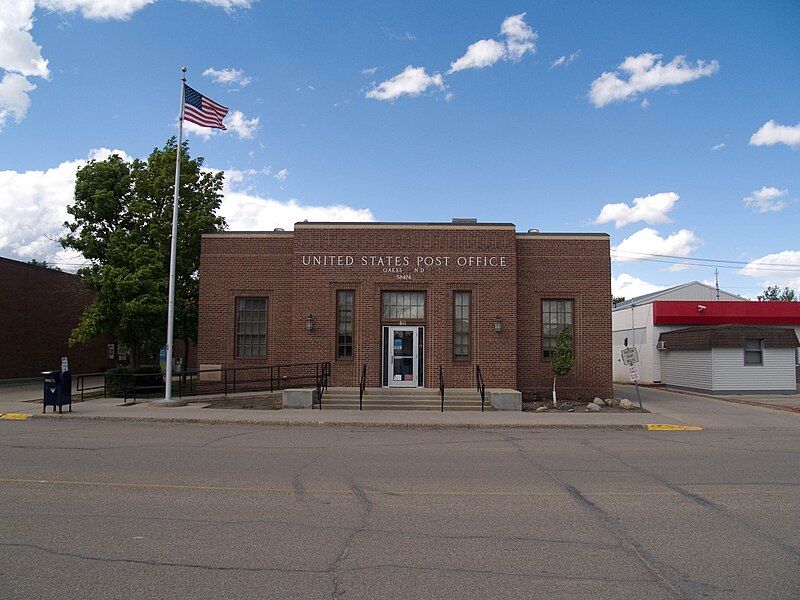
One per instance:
(633,372)
(630,356)
(64,364)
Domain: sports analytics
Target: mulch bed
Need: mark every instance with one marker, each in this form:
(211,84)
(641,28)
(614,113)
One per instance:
(269,402)
(578,407)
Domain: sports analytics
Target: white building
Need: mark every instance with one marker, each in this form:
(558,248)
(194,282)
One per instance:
(632,324)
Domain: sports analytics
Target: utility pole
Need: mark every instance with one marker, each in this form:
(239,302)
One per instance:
(716,280)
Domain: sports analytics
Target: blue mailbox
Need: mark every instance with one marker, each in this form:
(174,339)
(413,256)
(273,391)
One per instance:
(57,390)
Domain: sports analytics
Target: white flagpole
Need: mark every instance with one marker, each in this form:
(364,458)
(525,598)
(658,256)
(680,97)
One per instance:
(168,400)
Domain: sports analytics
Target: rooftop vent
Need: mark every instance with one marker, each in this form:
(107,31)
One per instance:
(471,220)
(533,231)
(279,229)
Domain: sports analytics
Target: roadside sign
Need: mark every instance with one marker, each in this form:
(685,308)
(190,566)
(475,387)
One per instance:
(111,351)
(64,364)
(630,356)
(633,373)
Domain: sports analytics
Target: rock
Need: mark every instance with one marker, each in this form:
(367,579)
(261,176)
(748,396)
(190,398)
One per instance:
(626,404)
(566,406)
(598,400)
(592,407)
(615,403)
(609,401)
(541,409)
(570,410)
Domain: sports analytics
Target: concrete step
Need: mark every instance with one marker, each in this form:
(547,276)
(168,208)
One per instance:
(403,406)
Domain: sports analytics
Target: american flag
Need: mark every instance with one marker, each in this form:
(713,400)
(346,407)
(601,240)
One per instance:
(201,110)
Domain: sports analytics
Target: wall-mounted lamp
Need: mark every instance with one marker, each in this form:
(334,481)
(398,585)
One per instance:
(309,322)
(498,324)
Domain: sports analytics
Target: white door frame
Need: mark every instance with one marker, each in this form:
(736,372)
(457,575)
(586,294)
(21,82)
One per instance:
(390,356)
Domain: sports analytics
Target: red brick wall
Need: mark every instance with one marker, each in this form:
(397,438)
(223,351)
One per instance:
(39,307)
(549,267)
(271,265)
(492,294)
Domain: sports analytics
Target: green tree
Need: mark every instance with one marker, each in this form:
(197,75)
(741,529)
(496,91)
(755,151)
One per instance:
(775,294)
(43,263)
(562,358)
(616,300)
(121,222)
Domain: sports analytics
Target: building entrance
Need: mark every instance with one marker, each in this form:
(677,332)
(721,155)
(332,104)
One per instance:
(402,356)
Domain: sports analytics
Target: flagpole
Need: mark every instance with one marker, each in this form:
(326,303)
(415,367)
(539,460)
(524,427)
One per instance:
(168,400)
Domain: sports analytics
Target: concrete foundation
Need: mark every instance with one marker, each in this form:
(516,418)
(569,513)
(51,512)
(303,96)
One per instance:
(299,398)
(505,399)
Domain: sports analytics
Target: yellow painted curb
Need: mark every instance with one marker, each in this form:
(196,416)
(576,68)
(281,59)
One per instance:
(14,417)
(665,427)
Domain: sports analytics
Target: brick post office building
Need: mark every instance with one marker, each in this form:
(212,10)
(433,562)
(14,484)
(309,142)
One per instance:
(405,299)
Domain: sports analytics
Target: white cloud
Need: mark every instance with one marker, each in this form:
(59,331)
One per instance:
(236,122)
(14,99)
(281,175)
(719,146)
(227,5)
(246,211)
(413,81)
(18,52)
(772,133)
(650,209)
(229,76)
(124,9)
(519,40)
(240,125)
(628,286)
(369,71)
(483,53)
(564,60)
(97,9)
(767,199)
(780,268)
(646,72)
(647,241)
(33,206)
(21,57)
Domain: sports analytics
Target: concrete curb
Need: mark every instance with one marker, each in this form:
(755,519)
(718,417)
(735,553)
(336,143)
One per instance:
(361,424)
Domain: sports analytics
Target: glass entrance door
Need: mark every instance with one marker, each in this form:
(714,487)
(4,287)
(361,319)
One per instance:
(402,357)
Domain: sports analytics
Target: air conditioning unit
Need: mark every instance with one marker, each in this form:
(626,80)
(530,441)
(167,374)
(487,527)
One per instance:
(661,346)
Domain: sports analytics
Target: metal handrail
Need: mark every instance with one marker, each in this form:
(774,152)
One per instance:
(191,381)
(321,383)
(362,385)
(481,385)
(441,384)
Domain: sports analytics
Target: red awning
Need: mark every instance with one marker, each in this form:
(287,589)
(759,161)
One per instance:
(673,312)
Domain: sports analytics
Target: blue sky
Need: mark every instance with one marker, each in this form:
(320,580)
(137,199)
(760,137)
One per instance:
(504,135)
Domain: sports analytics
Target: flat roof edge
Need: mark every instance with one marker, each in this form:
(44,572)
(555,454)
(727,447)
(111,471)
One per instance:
(564,235)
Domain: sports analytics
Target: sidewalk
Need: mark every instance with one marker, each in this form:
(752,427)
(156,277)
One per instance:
(666,407)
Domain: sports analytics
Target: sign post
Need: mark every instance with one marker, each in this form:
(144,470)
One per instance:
(630,356)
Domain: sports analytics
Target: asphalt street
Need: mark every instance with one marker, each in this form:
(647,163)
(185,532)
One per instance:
(175,510)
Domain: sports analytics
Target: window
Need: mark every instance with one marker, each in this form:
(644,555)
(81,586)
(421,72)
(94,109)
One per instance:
(251,327)
(461,308)
(344,323)
(403,305)
(556,317)
(753,352)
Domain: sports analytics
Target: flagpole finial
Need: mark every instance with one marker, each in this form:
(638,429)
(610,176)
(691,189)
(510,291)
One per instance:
(183,70)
